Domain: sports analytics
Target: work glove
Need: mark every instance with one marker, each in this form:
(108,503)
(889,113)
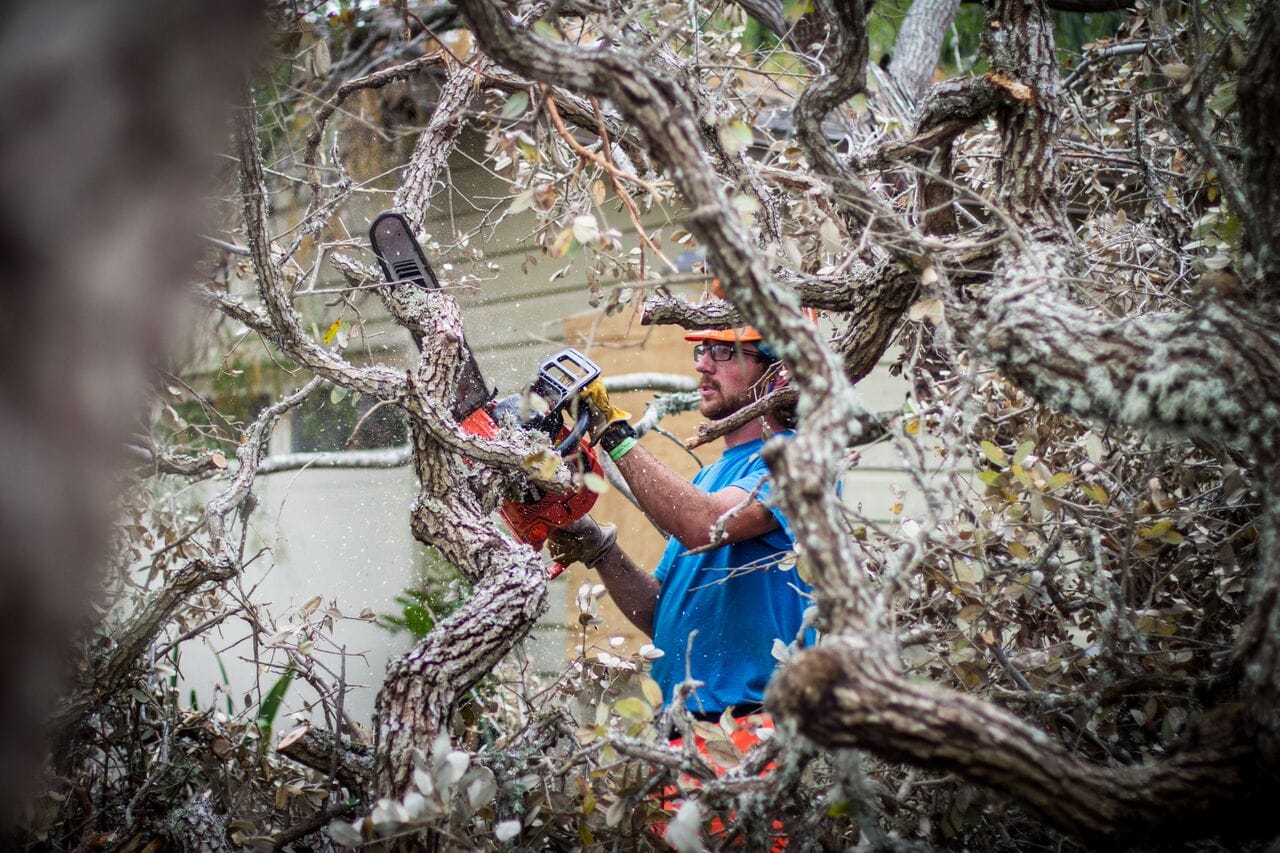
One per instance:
(583,541)
(603,413)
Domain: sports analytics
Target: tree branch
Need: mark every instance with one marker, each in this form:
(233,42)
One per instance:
(110,671)
(286,326)
(919,41)
(842,698)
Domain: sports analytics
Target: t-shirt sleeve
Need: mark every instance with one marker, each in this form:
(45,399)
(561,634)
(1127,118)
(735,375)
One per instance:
(781,538)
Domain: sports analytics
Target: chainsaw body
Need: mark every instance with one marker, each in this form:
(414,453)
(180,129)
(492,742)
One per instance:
(551,397)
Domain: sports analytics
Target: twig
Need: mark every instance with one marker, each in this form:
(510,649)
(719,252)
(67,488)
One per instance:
(311,824)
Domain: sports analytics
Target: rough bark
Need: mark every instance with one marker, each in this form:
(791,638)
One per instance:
(1259,98)
(509,580)
(665,115)
(852,693)
(873,298)
(437,141)
(1019,42)
(842,697)
(351,762)
(915,52)
(1209,373)
(861,208)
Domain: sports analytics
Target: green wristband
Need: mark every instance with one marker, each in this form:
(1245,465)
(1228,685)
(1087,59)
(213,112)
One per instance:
(623,448)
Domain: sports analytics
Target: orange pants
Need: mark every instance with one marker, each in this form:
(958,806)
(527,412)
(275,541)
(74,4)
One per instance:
(743,737)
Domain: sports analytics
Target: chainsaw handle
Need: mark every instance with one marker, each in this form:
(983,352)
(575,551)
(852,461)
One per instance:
(579,430)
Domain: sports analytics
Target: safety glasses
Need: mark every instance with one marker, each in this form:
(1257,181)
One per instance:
(723,352)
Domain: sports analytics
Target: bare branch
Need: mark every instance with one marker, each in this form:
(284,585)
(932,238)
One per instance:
(286,326)
(110,671)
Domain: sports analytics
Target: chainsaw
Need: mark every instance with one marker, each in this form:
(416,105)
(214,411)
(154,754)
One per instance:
(551,396)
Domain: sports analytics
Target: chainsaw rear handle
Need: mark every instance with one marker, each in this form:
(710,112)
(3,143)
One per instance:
(575,435)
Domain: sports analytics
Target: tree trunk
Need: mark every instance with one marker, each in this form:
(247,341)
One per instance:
(915,52)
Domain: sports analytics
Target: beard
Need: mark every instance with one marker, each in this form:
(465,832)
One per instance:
(721,406)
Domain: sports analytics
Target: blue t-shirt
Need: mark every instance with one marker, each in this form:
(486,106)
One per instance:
(735,596)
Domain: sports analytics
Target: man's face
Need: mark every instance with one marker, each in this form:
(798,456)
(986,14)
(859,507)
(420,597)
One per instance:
(726,386)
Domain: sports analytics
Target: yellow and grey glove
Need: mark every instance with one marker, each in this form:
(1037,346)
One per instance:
(584,541)
(603,413)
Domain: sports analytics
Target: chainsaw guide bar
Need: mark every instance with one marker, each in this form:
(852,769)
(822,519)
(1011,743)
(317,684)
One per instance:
(403,262)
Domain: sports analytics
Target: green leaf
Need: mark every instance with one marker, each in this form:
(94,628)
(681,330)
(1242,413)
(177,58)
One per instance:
(991,478)
(995,454)
(516,104)
(270,706)
(633,709)
(652,692)
(839,809)
(1096,493)
(547,31)
(1058,480)
(522,202)
(1224,98)
(1024,450)
(1022,476)
(736,136)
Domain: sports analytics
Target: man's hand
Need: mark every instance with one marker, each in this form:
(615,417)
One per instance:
(584,542)
(603,412)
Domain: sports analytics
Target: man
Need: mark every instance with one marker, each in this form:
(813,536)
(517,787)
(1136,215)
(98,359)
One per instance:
(716,610)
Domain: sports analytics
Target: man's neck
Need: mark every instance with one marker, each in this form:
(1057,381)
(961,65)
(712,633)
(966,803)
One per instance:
(750,431)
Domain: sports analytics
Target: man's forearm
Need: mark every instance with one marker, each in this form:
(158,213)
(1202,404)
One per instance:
(684,510)
(634,590)
(675,504)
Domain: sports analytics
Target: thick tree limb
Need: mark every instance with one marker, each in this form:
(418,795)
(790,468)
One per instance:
(664,113)
(862,208)
(915,51)
(317,749)
(431,152)
(509,582)
(1210,373)
(1258,94)
(842,698)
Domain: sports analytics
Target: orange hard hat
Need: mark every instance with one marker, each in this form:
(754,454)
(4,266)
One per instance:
(740,334)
